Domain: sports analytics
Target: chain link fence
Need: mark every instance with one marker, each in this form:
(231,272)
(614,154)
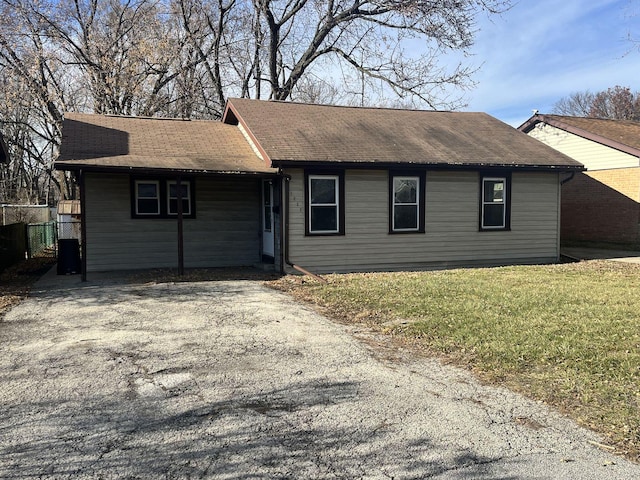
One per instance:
(40,237)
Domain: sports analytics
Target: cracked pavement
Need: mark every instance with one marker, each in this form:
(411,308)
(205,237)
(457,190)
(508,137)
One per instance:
(231,380)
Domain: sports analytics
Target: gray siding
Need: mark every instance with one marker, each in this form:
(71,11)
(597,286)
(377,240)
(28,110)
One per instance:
(225,231)
(452,236)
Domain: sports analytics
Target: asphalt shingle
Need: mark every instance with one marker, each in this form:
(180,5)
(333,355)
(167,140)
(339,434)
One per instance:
(303,133)
(150,143)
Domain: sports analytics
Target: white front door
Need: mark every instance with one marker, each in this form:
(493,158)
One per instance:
(267,218)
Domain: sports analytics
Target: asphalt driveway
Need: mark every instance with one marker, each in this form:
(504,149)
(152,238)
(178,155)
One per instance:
(232,380)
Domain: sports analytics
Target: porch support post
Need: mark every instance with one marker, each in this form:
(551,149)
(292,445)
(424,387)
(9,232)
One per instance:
(180,230)
(83,225)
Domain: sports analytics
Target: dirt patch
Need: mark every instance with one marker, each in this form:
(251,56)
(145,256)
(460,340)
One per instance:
(17,280)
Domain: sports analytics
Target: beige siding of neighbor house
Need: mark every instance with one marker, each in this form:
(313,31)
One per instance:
(451,237)
(592,155)
(224,232)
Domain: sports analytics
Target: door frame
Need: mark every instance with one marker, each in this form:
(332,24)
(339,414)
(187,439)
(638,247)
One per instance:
(267,223)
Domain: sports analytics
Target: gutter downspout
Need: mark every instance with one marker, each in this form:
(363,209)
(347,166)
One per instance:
(285,234)
(568,179)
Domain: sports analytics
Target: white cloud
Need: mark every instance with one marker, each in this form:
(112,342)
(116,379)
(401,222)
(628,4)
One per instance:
(539,52)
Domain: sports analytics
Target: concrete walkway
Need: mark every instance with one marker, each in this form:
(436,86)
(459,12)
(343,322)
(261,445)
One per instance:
(231,380)
(581,253)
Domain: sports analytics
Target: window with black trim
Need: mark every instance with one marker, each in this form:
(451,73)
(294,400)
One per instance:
(172,197)
(147,197)
(495,202)
(406,202)
(158,198)
(324,198)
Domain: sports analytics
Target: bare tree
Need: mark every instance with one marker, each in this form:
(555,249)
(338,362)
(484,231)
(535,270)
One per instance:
(31,100)
(577,104)
(184,58)
(617,103)
(370,37)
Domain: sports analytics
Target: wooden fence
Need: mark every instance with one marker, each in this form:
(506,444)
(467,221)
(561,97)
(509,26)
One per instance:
(13,244)
(19,241)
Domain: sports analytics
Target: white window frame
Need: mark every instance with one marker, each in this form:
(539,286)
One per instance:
(335,204)
(157,197)
(416,204)
(503,203)
(187,198)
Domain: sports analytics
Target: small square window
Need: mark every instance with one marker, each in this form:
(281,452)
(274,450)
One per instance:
(172,198)
(158,198)
(147,197)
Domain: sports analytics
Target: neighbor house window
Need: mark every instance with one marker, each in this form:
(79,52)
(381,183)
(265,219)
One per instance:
(158,198)
(172,198)
(147,197)
(325,204)
(406,202)
(495,201)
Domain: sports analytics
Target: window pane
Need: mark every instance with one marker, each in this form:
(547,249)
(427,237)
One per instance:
(173,206)
(405,217)
(494,191)
(147,190)
(267,218)
(323,190)
(405,190)
(173,191)
(493,215)
(324,219)
(148,206)
(266,192)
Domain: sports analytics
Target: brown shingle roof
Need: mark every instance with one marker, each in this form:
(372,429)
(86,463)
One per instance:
(302,133)
(111,142)
(619,134)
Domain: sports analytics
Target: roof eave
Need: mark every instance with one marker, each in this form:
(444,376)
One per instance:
(527,126)
(430,166)
(75,166)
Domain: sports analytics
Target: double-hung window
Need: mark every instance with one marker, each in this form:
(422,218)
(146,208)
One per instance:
(495,201)
(406,202)
(158,198)
(172,198)
(147,197)
(324,204)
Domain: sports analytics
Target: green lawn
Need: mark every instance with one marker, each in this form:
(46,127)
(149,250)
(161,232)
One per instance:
(566,334)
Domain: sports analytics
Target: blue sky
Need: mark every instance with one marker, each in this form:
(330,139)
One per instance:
(543,50)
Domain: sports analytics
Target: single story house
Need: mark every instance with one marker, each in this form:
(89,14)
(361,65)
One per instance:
(603,203)
(314,187)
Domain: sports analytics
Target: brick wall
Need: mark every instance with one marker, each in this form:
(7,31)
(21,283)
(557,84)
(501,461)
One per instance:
(602,206)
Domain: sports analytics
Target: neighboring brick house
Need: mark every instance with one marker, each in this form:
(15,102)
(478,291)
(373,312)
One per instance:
(602,204)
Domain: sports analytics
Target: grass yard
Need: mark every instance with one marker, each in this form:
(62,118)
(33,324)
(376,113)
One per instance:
(568,335)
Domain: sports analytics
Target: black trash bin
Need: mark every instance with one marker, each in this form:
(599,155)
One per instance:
(69,256)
